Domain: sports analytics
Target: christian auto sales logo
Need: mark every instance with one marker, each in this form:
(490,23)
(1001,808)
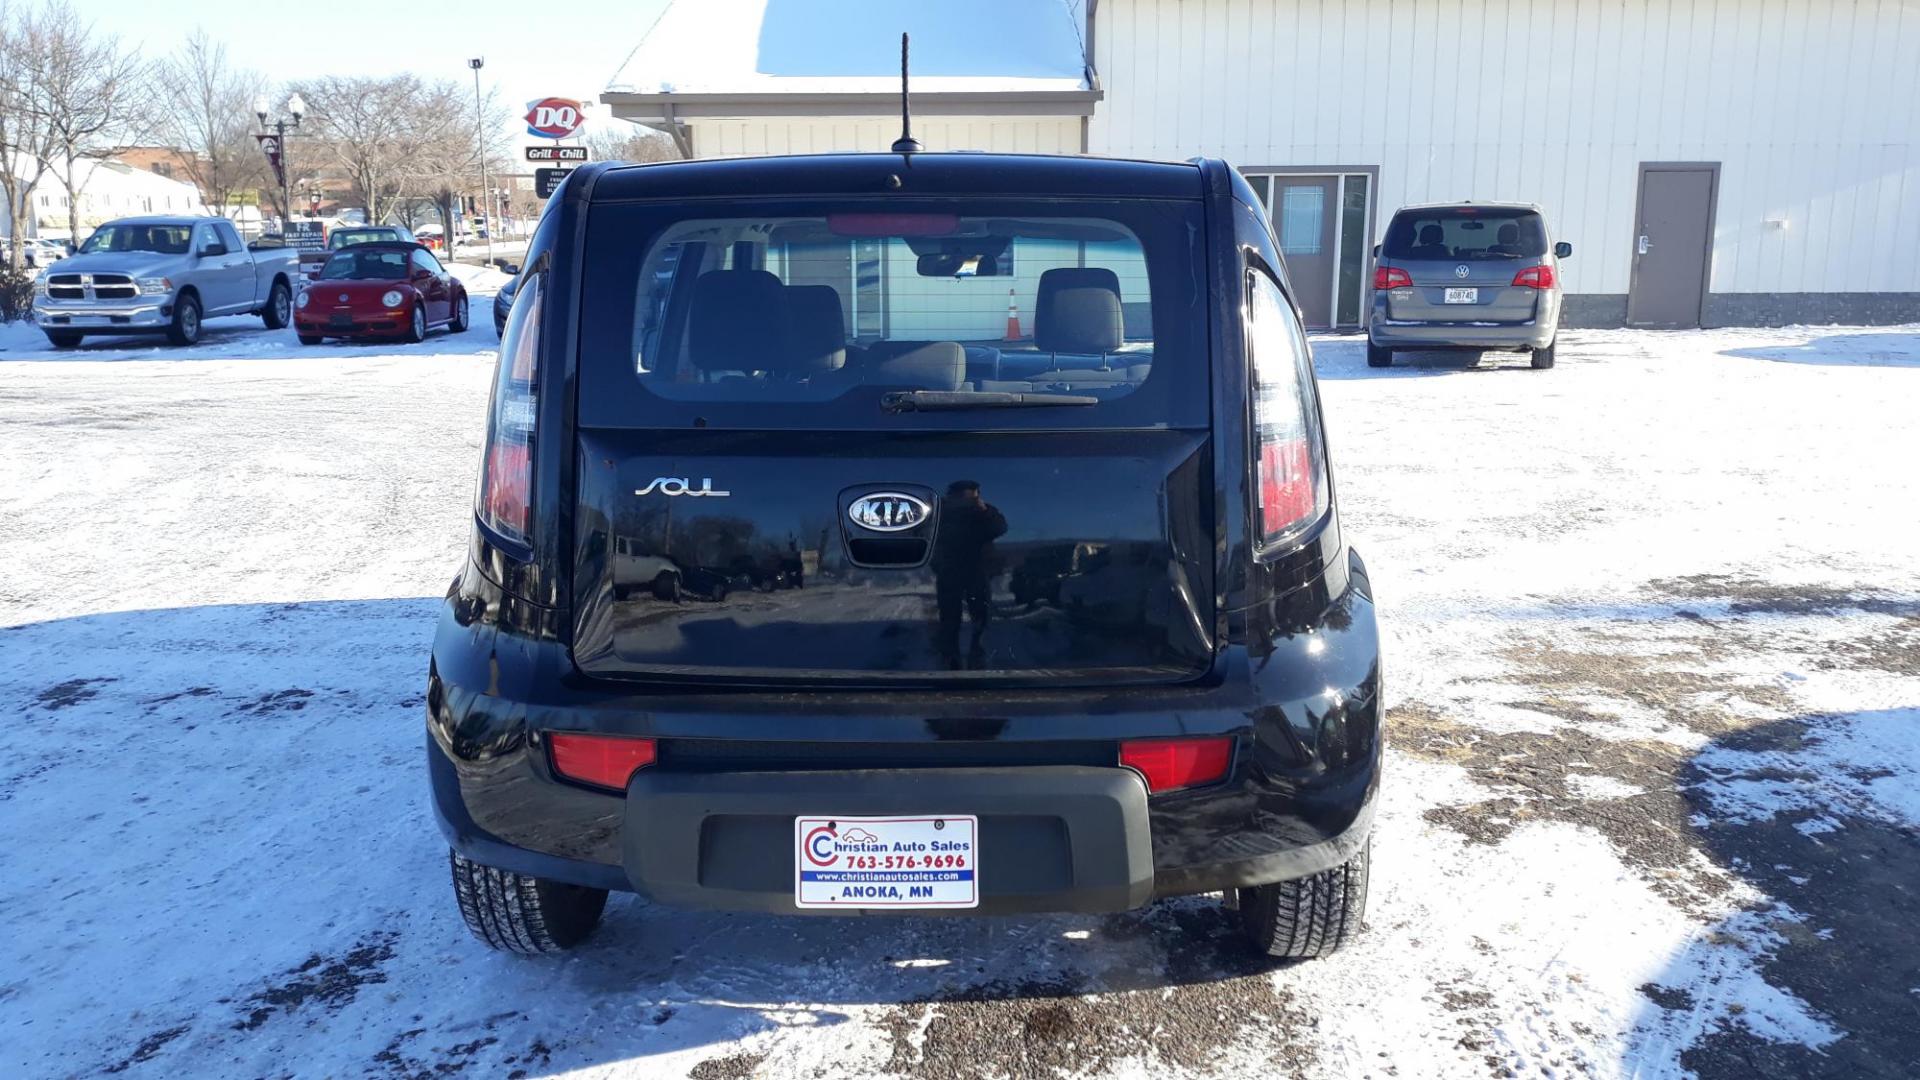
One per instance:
(823,844)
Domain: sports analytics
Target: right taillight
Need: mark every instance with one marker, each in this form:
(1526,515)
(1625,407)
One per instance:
(1391,277)
(1289,468)
(505,501)
(1535,277)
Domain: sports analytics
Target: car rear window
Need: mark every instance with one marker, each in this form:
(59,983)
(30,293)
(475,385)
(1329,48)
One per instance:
(818,315)
(1467,233)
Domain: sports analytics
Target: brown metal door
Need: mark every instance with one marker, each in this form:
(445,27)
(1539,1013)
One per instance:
(1672,246)
(1305,211)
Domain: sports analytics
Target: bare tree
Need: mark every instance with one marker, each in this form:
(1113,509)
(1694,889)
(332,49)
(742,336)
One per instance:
(390,137)
(27,143)
(635,146)
(84,93)
(204,109)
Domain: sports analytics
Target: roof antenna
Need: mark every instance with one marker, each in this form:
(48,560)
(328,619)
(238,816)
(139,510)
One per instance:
(906,143)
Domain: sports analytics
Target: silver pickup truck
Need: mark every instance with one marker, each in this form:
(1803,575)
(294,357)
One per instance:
(152,275)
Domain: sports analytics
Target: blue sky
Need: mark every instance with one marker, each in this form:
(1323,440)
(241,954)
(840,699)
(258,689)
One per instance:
(533,48)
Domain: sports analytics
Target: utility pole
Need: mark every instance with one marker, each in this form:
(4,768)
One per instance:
(480,145)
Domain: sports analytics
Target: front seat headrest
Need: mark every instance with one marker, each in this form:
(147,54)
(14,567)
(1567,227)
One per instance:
(738,321)
(816,329)
(1432,236)
(1083,320)
(1509,235)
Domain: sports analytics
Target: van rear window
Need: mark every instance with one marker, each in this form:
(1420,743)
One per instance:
(1466,233)
(832,315)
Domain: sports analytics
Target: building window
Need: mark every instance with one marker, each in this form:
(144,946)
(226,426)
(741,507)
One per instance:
(1302,213)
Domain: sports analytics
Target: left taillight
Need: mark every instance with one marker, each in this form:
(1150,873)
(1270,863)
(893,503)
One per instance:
(505,500)
(607,761)
(1535,277)
(1289,465)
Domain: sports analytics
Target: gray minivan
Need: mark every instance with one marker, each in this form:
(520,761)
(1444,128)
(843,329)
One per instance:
(1468,275)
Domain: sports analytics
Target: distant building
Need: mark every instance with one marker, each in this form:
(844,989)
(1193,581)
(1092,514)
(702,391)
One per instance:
(108,190)
(1729,163)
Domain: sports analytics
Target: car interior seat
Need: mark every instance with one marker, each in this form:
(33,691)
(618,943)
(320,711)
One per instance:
(1432,245)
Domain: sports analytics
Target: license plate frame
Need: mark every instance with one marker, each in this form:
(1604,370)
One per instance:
(891,862)
(1462,296)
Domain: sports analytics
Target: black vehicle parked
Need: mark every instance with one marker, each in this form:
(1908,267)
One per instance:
(1078,629)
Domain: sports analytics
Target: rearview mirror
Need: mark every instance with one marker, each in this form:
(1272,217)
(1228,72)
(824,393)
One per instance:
(212,247)
(512,268)
(1376,251)
(1563,250)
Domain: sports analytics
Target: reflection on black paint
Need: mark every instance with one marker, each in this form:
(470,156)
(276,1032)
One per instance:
(963,569)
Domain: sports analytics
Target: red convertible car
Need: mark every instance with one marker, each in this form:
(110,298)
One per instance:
(380,290)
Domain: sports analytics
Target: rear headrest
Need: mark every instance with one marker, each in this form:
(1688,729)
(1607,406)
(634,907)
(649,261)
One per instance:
(1081,321)
(1509,234)
(937,365)
(1432,236)
(817,330)
(738,321)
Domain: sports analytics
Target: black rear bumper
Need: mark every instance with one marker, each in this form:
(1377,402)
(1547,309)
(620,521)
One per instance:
(1052,838)
(1062,826)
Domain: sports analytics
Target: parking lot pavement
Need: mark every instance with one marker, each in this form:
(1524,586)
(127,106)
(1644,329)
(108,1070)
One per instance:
(1653,632)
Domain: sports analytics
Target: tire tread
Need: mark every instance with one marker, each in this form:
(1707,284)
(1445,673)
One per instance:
(1311,916)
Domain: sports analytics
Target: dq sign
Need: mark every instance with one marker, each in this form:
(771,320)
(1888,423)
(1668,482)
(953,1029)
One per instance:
(554,117)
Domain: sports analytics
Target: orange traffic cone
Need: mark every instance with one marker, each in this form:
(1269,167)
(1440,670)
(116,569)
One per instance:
(1013,318)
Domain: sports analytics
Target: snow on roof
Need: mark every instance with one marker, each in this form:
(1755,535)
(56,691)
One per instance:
(853,46)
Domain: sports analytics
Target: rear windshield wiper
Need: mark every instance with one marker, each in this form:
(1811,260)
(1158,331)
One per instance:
(933,400)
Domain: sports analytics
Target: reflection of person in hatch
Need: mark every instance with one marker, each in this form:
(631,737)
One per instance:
(962,553)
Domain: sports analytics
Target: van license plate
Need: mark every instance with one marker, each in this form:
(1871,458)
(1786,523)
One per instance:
(886,862)
(1463,296)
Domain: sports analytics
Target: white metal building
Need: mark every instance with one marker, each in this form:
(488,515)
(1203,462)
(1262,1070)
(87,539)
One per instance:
(1713,162)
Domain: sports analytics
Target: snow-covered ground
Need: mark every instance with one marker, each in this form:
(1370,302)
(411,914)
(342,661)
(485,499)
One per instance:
(1653,621)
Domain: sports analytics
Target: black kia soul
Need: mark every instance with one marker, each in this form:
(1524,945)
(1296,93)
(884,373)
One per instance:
(906,533)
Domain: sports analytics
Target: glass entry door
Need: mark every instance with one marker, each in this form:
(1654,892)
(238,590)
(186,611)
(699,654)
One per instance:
(1320,221)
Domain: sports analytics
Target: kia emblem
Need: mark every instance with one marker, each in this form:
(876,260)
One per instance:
(888,511)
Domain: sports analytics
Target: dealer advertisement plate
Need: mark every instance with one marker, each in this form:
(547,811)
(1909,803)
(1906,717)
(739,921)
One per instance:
(887,862)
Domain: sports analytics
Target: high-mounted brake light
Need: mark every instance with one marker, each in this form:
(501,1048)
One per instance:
(607,761)
(505,502)
(1535,277)
(1171,764)
(1391,277)
(1290,486)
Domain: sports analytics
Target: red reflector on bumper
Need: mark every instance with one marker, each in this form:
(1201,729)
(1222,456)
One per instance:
(1177,763)
(604,760)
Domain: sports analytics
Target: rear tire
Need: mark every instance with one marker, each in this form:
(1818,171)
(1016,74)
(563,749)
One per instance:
(521,914)
(667,587)
(279,310)
(311,339)
(1378,357)
(1543,358)
(1311,916)
(64,339)
(185,329)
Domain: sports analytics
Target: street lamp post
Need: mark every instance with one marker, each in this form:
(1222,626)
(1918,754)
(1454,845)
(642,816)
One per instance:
(480,146)
(296,109)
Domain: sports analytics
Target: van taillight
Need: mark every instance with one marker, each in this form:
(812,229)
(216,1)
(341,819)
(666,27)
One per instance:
(1391,277)
(1171,764)
(1535,277)
(505,502)
(1289,475)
